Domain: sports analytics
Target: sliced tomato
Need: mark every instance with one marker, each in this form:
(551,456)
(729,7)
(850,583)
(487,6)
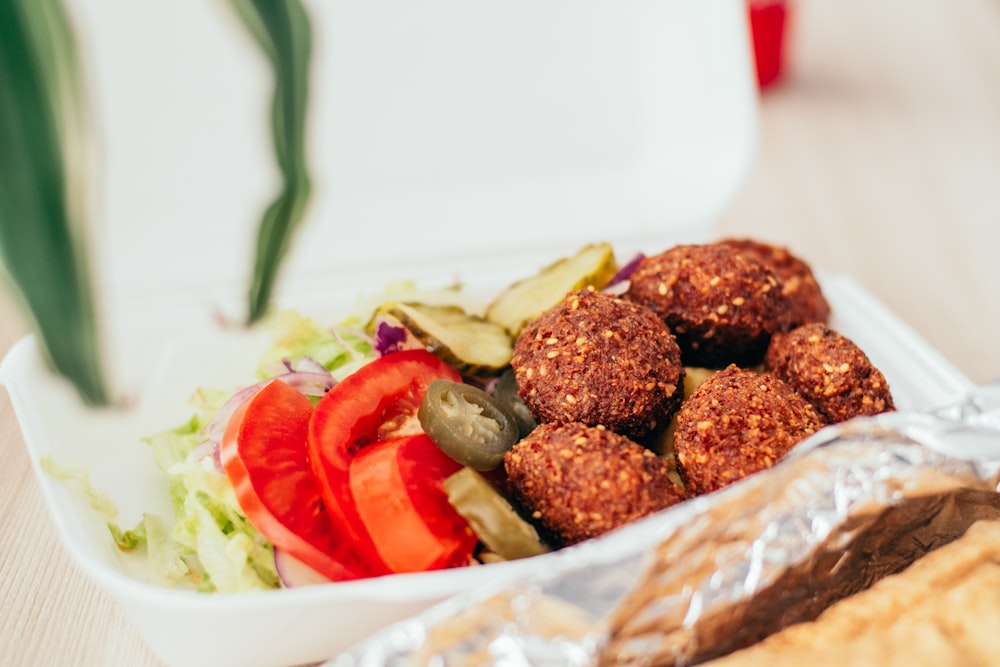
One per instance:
(397,486)
(377,402)
(264,455)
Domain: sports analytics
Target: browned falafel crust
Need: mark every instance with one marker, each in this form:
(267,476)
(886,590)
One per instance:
(802,292)
(721,305)
(580,481)
(736,423)
(598,359)
(830,371)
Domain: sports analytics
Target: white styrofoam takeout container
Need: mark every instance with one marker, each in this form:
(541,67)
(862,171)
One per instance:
(449,140)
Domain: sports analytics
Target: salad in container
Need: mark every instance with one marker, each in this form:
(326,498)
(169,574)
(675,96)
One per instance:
(205,521)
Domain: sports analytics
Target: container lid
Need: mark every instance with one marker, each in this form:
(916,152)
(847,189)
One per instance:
(443,134)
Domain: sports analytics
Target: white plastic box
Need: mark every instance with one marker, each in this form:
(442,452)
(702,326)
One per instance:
(449,139)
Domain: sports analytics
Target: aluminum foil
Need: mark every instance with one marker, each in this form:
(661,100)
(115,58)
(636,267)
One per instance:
(854,503)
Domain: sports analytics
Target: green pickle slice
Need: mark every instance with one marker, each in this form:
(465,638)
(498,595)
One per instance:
(468,342)
(592,265)
(500,528)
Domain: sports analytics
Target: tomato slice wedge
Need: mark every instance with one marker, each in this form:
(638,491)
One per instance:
(264,455)
(397,486)
(377,402)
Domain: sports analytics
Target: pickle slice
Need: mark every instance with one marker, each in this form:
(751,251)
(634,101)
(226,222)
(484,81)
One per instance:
(468,342)
(592,266)
(498,525)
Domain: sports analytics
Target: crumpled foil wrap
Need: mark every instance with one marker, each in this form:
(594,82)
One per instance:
(854,503)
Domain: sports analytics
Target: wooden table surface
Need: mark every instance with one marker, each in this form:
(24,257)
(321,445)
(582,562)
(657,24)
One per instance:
(879,157)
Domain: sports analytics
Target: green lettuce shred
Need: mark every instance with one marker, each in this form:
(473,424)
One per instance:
(296,336)
(166,564)
(129,540)
(210,532)
(78,477)
(234,557)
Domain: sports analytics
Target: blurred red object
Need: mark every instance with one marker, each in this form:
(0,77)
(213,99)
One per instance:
(768,19)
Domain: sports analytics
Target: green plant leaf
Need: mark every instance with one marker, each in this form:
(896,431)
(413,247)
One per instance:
(42,245)
(283,32)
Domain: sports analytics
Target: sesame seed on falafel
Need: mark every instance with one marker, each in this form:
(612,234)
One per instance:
(830,371)
(736,423)
(802,292)
(722,305)
(580,481)
(597,359)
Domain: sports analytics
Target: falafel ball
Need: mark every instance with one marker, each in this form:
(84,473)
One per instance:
(804,297)
(597,359)
(580,481)
(830,371)
(721,304)
(738,422)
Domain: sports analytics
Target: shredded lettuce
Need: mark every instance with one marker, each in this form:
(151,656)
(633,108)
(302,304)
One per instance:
(234,557)
(166,564)
(210,543)
(296,337)
(174,446)
(79,477)
(129,540)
